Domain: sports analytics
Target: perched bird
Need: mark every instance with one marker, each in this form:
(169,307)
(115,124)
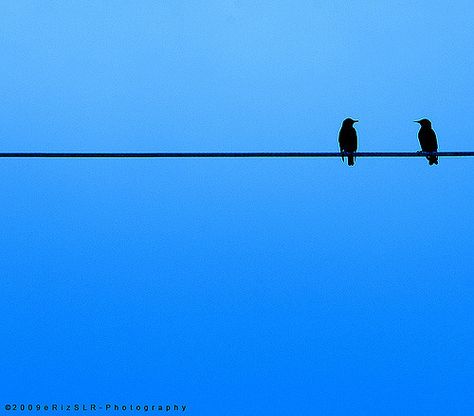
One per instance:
(348,139)
(428,141)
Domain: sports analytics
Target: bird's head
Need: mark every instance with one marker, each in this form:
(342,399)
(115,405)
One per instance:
(424,122)
(349,122)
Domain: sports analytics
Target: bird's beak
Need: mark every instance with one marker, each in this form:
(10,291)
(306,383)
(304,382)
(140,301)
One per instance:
(416,121)
(355,121)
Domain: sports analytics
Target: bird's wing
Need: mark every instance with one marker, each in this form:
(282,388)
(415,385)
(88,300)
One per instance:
(432,140)
(351,140)
(423,137)
(342,141)
(428,140)
(341,144)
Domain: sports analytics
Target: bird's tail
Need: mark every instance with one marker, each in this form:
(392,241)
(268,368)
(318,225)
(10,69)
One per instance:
(350,160)
(433,160)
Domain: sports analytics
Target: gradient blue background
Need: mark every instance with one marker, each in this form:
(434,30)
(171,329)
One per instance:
(238,287)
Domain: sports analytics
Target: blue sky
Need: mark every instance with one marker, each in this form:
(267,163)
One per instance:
(237,287)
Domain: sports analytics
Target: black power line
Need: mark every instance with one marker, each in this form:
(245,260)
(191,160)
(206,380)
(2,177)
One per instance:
(220,154)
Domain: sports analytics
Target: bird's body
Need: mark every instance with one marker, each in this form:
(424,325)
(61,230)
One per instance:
(428,140)
(348,139)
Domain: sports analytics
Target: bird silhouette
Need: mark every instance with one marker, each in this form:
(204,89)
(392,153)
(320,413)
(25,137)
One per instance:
(348,139)
(428,141)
